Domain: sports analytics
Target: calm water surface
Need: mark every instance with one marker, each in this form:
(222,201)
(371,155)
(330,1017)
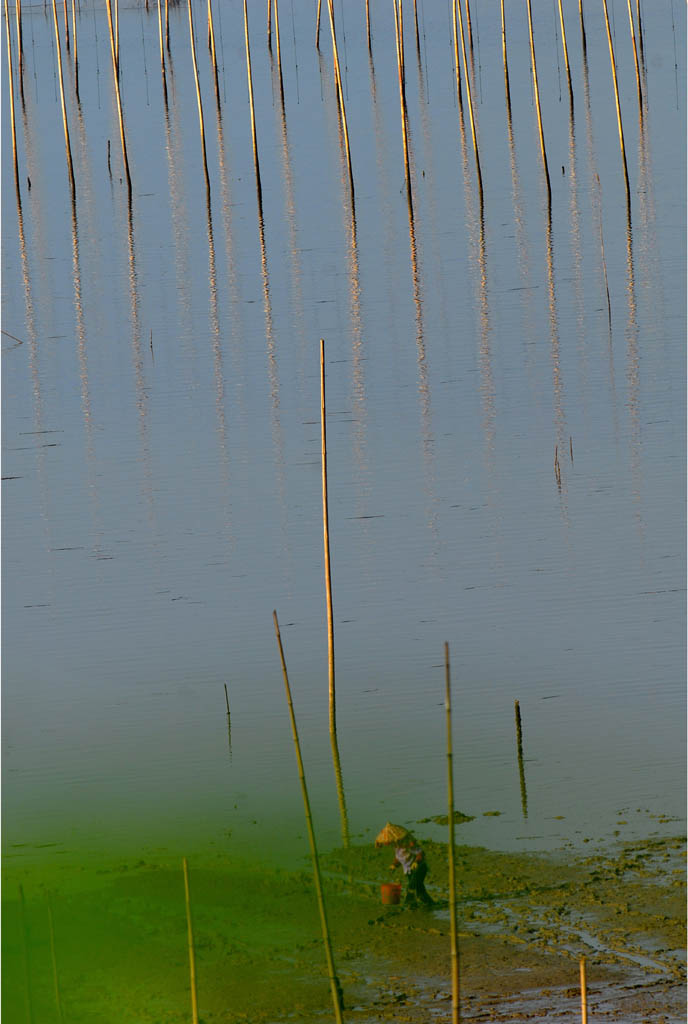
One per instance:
(161,433)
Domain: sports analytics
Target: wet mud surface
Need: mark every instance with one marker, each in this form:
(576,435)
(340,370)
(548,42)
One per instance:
(108,942)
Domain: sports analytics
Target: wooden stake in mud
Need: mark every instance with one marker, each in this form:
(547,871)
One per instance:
(537,103)
(584,992)
(456,1009)
(68,147)
(53,957)
(335,987)
(519,750)
(190,940)
(618,105)
(11,83)
(198,98)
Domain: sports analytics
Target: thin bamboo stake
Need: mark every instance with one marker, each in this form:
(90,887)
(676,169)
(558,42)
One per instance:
(584,992)
(537,103)
(76,56)
(566,52)
(457,8)
(190,941)
(415,18)
(368,24)
(635,58)
(167,26)
(468,21)
(162,47)
(198,98)
(326,543)
(456,1009)
(20,48)
(640,31)
(211,37)
(335,987)
(402,105)
(519,751)
(53,957)
(66,22)
(582,25)
(504,58)
(269,24)
(253,114)
(317,27)
(340,92)
(115,72)
(618,104)
(279,51)
(64,108)
(457,58)
(117,34)
(402,54)
(11,84)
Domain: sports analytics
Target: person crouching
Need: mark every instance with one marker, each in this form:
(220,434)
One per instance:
(410,857)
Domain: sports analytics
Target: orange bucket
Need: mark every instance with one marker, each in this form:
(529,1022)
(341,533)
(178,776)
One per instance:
(391,892)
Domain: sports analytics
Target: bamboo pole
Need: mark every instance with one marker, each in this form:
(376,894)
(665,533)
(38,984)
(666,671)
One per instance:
(368,25)
(618,104)
(504,58)
(115,71)
(457,8)
(537,103)
(326,543)
(640,31)
(253,113)
(211,39)
(11,84)
(340,92)
(68,147)
(335,987)
(566,52)
(162,47)
(402,55)
(53,957)
(279,51)
(190,941)
(457,58)
(167,26)
(519,751)
(117,34)
(402,104)
(635,58)
(415,18)
(468,22)
(456,1009)
(76,56)
(584,992)
(317,27)
(582,25)
(198,97)
(269,24)
(66,23)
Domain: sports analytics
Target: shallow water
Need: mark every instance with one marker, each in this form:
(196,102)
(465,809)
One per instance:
(161,436)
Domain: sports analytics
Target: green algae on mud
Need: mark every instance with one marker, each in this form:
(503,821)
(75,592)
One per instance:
(120,936)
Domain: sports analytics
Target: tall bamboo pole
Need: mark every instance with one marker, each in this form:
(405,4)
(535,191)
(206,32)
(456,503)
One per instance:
(468,22)
(279,51)
(415,18)
(457,8)
(66,23)
(635,58)
(253,113)
(198,98)
(117,34)
(566,52)
(76,55)
(457,58)
(11,84)
(537,103)
(317,27)
(618,104)
(402,103)
(162,47)
(582,25)
(504,58)
(68,147)
(335,987)
(269,24)
(190,942)
(584,992)
(368,24)
(456,1009)
(340,92)
(115,71)
(211,38)
(326,543)
(20,48)
(167,26)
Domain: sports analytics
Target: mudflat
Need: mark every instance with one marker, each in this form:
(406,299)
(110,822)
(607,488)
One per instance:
(107,942)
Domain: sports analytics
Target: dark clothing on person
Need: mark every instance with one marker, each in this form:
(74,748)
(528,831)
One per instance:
(412,860)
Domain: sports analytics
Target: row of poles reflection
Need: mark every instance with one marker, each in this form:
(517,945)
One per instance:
(463,45)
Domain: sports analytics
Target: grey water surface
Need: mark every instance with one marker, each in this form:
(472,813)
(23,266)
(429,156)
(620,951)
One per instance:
(161,432)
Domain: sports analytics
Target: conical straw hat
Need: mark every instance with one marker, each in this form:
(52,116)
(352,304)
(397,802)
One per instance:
(391,834)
